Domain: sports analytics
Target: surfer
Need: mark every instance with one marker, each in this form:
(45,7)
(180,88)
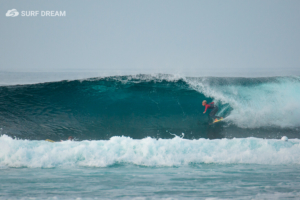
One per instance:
(214,110)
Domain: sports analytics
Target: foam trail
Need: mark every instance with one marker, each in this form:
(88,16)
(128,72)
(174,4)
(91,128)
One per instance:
(182,135)
(146,152)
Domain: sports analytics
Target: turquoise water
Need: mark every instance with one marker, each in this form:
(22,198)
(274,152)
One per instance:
(151,106)
(146,137)
(227,181)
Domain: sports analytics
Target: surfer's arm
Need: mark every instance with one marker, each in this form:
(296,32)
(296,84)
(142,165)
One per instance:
(205,109)
(207,106)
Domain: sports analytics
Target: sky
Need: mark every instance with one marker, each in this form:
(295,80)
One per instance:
(194,38)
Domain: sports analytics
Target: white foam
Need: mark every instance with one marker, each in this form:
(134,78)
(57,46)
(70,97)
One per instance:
(284,138)
(147,152)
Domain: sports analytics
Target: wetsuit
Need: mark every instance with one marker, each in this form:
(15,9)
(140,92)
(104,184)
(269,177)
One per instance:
(214,110)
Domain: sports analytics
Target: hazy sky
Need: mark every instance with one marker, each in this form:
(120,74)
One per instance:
(199,38)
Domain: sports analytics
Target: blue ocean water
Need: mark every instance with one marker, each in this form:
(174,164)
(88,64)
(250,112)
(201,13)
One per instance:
(146,137)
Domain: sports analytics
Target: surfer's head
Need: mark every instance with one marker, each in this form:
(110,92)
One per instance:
(204,102)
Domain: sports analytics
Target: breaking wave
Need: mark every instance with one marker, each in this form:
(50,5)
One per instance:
(146,152)
(158,106)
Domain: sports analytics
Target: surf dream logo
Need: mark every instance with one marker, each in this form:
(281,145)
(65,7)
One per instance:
(43,13)
(12,13)
(36,13)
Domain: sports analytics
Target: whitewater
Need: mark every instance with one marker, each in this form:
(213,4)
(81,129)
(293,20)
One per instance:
(146,137)
(147,152)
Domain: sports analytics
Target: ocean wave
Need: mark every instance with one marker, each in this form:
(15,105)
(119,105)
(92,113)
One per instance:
(146,152)
(140,106)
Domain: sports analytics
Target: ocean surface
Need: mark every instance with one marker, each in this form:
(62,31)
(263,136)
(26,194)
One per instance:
(146,137)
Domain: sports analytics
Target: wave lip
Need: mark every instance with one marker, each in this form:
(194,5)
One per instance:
(146,152)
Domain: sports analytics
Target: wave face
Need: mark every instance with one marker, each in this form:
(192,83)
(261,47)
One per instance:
(151,106)
(147,152)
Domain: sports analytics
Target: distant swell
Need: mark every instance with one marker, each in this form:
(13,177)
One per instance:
(151,106)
